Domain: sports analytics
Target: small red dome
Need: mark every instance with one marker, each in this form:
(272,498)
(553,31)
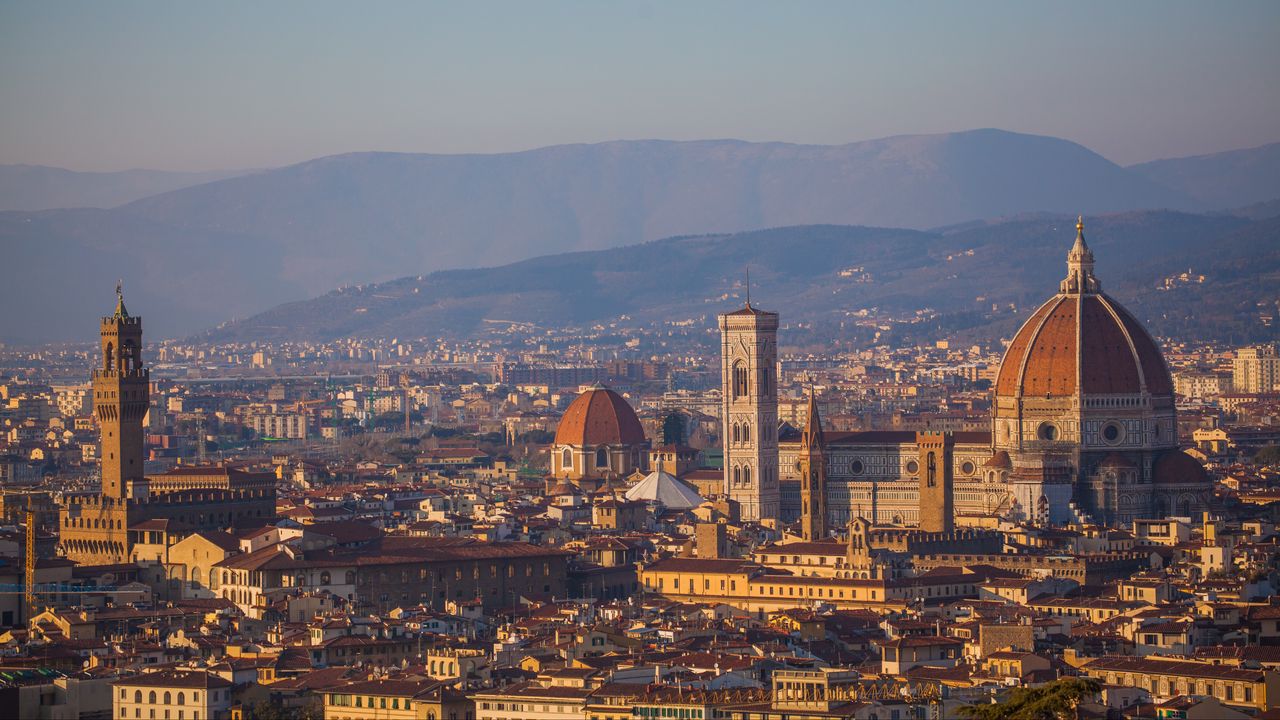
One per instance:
(1176,468)
(600,416)
(1000,460)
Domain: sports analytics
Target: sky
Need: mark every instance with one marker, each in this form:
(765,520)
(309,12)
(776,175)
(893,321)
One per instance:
(227,85)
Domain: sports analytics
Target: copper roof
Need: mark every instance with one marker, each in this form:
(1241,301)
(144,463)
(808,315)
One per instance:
(1085,339)
(600,416)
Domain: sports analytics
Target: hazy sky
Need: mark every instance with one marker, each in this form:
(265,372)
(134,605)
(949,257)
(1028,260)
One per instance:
(205,85)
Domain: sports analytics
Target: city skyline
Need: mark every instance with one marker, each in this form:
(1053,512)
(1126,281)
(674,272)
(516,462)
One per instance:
(891,419)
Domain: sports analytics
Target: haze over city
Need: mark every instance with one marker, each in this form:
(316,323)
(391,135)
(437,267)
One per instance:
(623,361)
(191,86)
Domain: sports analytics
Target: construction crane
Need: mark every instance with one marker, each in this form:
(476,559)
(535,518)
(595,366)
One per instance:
(29,565)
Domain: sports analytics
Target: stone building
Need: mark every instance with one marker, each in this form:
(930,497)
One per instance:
(1084,407)
(94,528)
(1083,429)
(749,359)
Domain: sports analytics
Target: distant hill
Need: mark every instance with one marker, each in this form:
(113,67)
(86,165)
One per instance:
(35,187)
(1221,180)
(820,276)
(219,250)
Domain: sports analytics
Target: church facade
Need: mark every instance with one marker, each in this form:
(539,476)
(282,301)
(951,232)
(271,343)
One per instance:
(1083,430)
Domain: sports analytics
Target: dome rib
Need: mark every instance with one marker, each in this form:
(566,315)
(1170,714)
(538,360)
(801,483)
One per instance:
(1110,306)
(1010,383)
(1044,362)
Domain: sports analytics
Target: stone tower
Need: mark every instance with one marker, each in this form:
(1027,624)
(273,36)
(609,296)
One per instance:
(121,387)
(749,357)
(937,481)
(813,477)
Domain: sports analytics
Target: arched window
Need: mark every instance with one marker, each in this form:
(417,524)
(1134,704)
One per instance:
(736,433)
(739,380)
(151,697)
(602,458)
(737,477)
(182,698)
(110,357)
(746,432)
(324,578)
(137,696)
(351,577)
(746,477)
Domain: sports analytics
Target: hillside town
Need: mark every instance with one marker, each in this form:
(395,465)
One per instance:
(605,523)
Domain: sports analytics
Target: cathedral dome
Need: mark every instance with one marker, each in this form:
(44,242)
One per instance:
(600,416)
(1082,342)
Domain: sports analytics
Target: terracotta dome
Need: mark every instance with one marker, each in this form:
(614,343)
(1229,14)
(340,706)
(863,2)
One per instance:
(600,416)
(1176,467)
(1082,341)
(1000,461)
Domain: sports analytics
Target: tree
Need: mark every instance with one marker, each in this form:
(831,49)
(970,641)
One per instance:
(1269,455)
(1053,701)
(536,437)
(673,429)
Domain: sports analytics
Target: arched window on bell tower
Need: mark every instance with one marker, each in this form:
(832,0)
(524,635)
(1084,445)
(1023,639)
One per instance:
(740,388)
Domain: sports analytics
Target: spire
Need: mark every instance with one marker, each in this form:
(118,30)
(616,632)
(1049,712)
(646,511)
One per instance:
(812,435)
(1080,277)
(121,312)
(747,268)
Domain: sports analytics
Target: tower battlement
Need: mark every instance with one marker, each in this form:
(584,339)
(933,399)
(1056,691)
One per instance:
(113,321)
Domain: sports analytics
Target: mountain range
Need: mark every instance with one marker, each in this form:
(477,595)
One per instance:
(197,256)
(37,187)
(979,279)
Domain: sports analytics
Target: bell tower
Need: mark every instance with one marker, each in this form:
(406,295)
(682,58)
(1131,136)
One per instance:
(121,389)
(937,478)
(749,384)
(813,477)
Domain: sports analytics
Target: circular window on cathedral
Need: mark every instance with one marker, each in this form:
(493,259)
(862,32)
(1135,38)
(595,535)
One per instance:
(1112,433)
(856,468)
(913,467)
(967,468)
(1048,431)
